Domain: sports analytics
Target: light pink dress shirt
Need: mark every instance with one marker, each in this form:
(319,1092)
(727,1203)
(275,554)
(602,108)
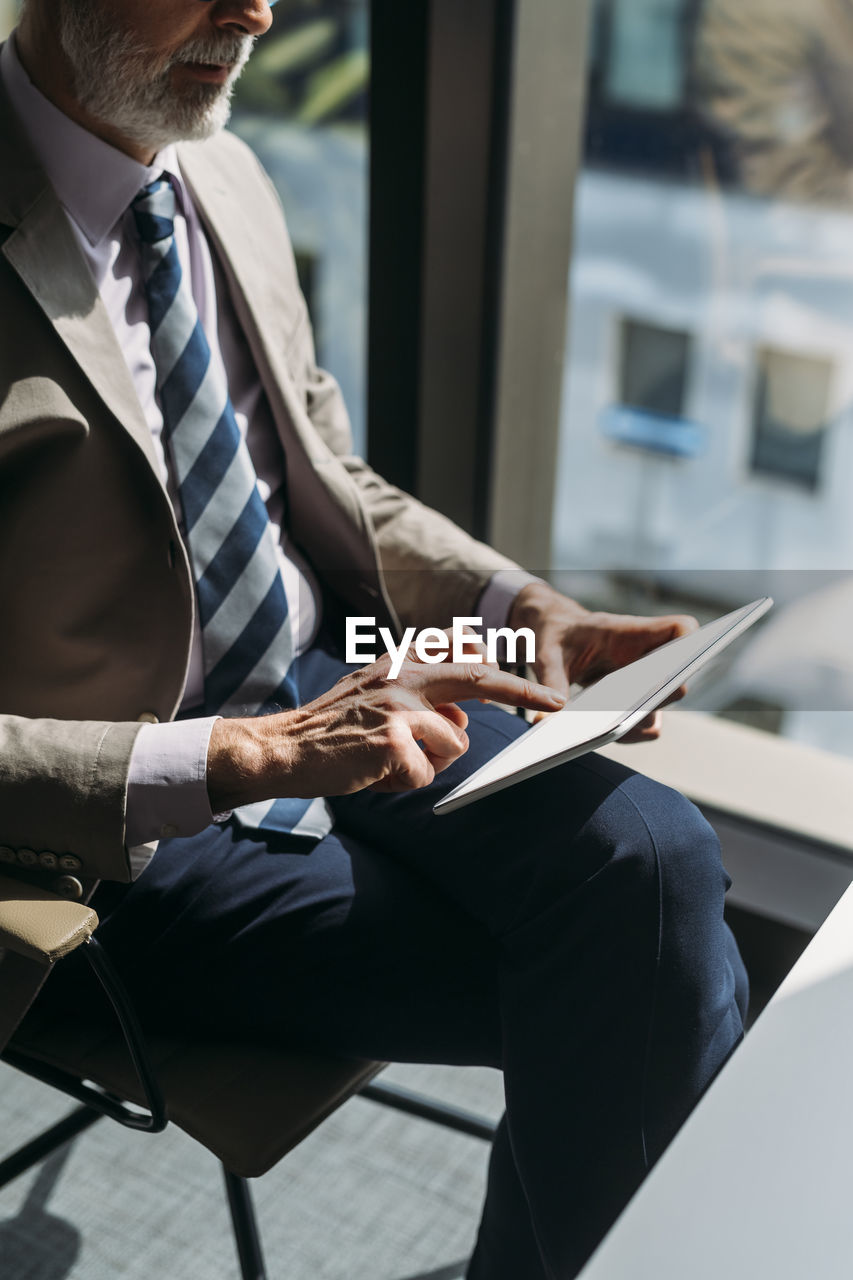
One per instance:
(96,183)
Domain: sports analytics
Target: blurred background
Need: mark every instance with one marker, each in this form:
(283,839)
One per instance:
(302,104)
(697,449)
(708,372)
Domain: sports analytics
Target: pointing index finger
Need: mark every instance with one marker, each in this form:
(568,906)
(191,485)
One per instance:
(450,681)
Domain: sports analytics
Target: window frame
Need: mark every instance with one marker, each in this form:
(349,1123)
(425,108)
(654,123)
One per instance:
(466,325)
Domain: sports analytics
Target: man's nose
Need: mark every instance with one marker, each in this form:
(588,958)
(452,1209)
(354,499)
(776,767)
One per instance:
(249,17)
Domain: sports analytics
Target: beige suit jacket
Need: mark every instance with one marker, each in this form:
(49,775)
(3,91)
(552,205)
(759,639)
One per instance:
(95,588)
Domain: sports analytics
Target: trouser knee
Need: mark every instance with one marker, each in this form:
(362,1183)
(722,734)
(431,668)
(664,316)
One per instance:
(641,865)
(676,843)
(650,879)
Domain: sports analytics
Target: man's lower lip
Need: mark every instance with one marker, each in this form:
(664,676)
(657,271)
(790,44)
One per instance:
(207,71)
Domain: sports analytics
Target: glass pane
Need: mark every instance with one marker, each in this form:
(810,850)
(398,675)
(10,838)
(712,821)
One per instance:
(8,15)
(654,367)
(642,67)
(706,447)
(790,416)
(302,105)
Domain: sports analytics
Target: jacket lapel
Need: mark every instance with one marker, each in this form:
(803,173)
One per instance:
(40,246)
(324,504)
(42,249)
(266,307)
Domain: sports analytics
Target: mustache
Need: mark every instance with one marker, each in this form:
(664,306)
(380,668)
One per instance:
(226,51)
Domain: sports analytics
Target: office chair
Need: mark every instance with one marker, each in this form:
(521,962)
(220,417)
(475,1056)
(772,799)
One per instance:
(248,1104)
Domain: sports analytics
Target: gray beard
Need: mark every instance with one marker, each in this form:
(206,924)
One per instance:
(117,80)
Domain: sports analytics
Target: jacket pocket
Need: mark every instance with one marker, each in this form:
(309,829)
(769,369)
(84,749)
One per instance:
(34,411)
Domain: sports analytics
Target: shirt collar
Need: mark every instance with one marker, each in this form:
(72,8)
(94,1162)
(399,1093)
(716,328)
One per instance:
(94,181)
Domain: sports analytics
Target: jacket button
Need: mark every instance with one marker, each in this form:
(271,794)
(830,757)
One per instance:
(67,887)
(27,857)
(69,863)
(147,717)
(7,854)
(48,861)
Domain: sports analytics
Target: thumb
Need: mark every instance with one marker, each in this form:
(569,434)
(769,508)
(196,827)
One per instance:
(653,632)
(677,624)
(550,669)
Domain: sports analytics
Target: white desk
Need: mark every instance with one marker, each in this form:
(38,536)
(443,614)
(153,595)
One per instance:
(759,1182)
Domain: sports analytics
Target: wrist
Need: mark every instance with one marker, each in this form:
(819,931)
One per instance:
(244,756)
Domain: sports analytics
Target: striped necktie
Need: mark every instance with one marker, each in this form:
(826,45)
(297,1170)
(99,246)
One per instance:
(242,607)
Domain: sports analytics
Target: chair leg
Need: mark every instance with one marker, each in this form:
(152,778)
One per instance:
(245,1225)
(17,1163)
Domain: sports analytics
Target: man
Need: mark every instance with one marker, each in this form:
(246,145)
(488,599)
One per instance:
(166,438)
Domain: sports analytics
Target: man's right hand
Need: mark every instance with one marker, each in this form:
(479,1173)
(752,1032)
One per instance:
(363,732)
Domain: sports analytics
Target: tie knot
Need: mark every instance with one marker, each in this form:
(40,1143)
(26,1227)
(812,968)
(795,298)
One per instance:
(154,211)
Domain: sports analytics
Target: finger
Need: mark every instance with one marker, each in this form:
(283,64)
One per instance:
(473,642)
(394,783)
(473,645)
(646,731)
(677,624)
(409,770)
(637,638)
(442,741)
(474,648)
(451,681)
(454,714)
(641,635)
(676,695)
(551,668)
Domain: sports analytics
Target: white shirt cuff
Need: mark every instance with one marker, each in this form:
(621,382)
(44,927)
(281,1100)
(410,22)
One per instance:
(498,595)
(166,786)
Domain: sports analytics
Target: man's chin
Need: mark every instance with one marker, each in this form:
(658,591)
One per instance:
(208,126)
(203,109)
(194,123)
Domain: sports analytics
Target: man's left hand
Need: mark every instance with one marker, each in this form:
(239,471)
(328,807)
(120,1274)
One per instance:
(574,646)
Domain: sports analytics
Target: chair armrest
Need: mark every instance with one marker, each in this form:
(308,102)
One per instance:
(40,925)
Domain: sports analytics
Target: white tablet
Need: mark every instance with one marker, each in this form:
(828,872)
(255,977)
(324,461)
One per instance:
(606,710)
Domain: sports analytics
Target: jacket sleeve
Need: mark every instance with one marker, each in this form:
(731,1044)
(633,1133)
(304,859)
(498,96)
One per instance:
(432,568)
(63,786)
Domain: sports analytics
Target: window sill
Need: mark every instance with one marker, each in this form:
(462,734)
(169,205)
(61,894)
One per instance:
(783,811)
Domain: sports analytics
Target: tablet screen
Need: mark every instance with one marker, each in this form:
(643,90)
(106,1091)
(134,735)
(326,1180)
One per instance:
(626,690)
(608,708)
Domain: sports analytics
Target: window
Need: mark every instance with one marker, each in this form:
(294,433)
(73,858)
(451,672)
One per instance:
(644,67)
(639,80)
(8,15)
(791,408)
(653,389)
(711,290)
(302,106)
(653,373)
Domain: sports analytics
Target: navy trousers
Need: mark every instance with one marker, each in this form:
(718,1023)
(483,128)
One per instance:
(568,930)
